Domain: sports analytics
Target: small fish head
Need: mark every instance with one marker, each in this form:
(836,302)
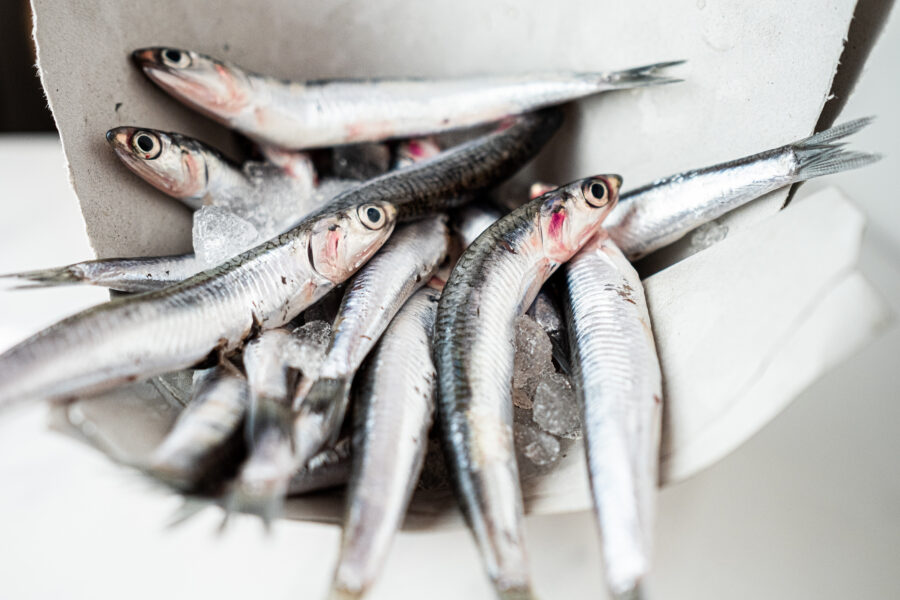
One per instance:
(343,241)
(172,163)
(571,214)
(215,88)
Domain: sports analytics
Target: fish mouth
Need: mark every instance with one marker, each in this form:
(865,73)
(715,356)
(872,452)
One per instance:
(617,179)
(120,138)
(145,57)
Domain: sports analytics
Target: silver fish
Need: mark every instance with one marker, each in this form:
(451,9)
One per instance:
(263,480)
(618,381)
(493,282)
(179,326)
(203,446)
(405,263)
(394,411)
(315,114)
(662,212)
(144,274)
(214,311)
(472,220)
(197,174)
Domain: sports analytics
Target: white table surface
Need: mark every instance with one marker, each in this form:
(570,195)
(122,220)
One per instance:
(808,508)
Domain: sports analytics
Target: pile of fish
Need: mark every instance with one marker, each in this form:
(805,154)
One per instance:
(356,297)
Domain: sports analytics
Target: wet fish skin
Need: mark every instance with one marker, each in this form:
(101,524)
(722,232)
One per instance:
(493,282)
(662,212)
(405,263)
(472,220)
(205,445)
(454,176)
(212,312)
(329,113)
(393,413)
(618,380)
(266,286)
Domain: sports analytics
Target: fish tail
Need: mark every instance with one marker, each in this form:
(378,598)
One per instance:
(262,483)
(639,76)
(48,277)
(822,154)
(321,414)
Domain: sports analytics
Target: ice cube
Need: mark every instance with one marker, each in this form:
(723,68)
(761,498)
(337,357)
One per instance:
(555,407)
(708,234)
(537,446)
(273,200)
(308,346)
(532,360)
(220,234)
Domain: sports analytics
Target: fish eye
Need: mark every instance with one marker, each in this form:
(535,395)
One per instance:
(176,58)
(596,193)
(146,144)
(372,216)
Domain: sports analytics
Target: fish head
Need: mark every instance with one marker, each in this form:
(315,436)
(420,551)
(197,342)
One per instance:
(342,241)
(172,163)
(570,215)
(218,89)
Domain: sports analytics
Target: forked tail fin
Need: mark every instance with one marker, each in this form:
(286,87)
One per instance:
(821,153)
(639,76)
(40,278)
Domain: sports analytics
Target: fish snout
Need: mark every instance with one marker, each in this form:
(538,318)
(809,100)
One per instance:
(145,57)
(616,180)
(120,137)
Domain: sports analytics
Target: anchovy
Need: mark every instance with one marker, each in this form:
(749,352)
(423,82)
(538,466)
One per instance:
(493,282)
(662,212)
(204,447)
(403,265)
(263,480)
(267,286)
(315,114)
(212,312)
(198,175)
(618,380)
(393,413)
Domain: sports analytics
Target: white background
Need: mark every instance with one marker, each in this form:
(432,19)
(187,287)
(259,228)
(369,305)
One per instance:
(807,508)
